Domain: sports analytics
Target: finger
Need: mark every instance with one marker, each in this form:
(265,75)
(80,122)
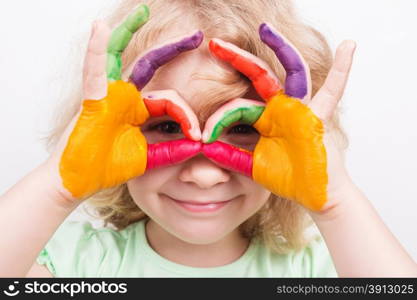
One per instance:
(230,157)
(94,71)
(146,66)
(325,101)
(168,102)
(171,152)
(297,81)
(262,77)
(121,37)
(238,110)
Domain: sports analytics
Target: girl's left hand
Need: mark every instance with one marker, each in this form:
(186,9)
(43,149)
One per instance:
(296,156)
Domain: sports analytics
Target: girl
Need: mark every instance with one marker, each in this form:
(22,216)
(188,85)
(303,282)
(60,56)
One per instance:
(188,186)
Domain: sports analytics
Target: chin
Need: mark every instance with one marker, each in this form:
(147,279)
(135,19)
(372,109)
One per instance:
(201,232)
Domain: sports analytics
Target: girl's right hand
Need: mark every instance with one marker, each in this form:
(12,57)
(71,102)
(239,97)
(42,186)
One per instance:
(103,146)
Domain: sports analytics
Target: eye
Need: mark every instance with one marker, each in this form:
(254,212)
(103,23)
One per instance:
(166,127)
(241,135)
(242,129)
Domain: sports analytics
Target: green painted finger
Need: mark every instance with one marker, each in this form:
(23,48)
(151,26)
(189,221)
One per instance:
(121,37)
(239,110)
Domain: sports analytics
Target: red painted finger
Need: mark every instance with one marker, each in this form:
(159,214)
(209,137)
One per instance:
(171,152)
(263,78)
(168,102)
(230,157)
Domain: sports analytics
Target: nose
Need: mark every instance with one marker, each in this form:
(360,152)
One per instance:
(203,172)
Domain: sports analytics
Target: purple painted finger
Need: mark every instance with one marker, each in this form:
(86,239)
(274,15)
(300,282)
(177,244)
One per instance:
(296,81)
(146,66)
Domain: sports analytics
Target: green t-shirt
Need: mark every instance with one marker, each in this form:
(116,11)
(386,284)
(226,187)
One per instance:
(77,249)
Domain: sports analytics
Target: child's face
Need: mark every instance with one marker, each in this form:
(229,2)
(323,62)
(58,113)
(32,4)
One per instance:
(197,179)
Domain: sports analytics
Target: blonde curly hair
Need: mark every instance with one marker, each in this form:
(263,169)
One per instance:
(280,223)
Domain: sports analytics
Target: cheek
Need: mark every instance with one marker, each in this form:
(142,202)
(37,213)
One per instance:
(256,195)
(146,187)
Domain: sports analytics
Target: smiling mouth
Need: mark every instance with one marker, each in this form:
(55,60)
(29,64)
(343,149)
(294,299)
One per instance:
(195,206)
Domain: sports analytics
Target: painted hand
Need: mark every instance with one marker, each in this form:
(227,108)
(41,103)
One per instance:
(105,146)
(295,156)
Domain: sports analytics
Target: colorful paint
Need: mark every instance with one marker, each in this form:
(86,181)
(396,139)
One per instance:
(106,147)
(238,110)
(290,158)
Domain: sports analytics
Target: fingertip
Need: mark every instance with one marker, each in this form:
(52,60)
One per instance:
(93,28)
(348,46)
(142,12)
(344,55)
(102,27)
(204,136)
(269,34)
(100,34)
(144,9)
(198,37)
(197,134)
(214,45)
(97,23)
(193,134)
(264,28)
(351,43)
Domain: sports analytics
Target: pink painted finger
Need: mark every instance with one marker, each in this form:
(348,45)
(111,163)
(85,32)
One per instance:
(230,157)
(241,110)
(168,102)
(94,71)
(171,152)
(263,78)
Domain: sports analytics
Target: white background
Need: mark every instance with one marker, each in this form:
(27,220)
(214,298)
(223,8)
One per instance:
(41,40)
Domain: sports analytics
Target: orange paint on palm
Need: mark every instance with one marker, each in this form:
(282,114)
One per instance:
(106,146)
(291,141)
